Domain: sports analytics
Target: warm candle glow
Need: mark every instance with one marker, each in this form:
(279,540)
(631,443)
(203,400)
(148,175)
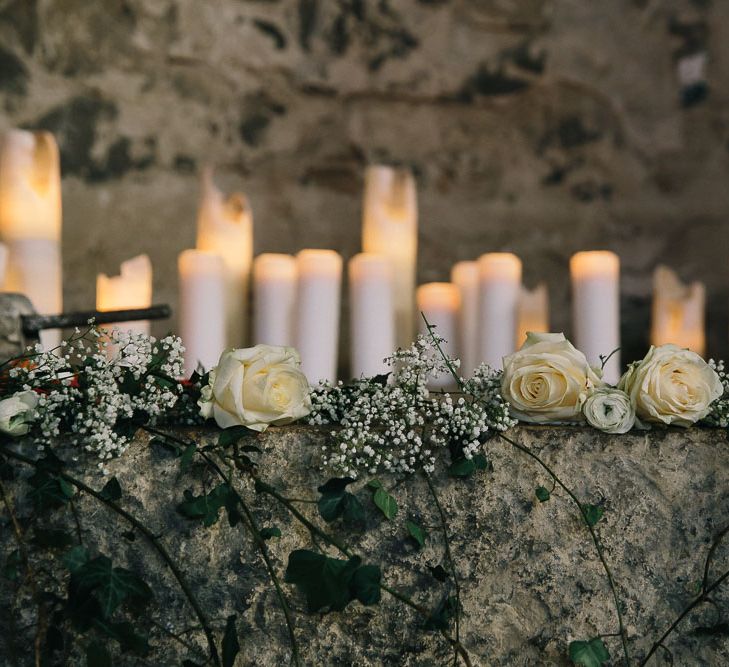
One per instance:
(274,295)
(390,228)
(678,312)
(132,288)
(533,312)
(439,296)
(464,275)
(594,264)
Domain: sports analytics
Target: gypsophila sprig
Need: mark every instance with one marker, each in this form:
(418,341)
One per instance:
(396,424)
(719,414)
(97,387)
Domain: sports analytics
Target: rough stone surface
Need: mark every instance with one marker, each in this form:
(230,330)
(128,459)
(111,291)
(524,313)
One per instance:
(530,578)
(538,126)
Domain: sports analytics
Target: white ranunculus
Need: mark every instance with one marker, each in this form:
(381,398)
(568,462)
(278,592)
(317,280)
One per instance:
(609,410)
(671,385)
(548,380)
(255,387)
(17,412)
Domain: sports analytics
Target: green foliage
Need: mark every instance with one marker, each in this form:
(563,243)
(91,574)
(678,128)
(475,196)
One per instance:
(463,467)
(97,655)
(416,532)
(268,533)
(383,500)
(543,494)
(440,618)
(11,569)
(207,506)
(591,653)
(51,538)
(49,491)
(592,514)
(233,435)
(124,633)
(112,490)
(75,558)
(336,501)
(230,647)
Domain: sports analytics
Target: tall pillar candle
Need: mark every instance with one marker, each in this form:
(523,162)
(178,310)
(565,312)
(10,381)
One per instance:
(390,228)
(372,315)
(499,287)
(440,303)
(464,275)
(533,312)
(318,298)
(30,220)
(132,288)
(274,296)
(225,227)
(596,308)
(678,312)
(202,308)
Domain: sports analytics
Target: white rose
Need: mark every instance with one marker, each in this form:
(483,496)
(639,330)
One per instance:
(547,380)
(17,411)
(671,385)
(255,387)
(609,410)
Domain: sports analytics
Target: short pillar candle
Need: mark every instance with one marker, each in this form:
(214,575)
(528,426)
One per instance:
(464,275)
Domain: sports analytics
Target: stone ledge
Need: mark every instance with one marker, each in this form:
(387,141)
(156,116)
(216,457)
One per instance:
(530,578)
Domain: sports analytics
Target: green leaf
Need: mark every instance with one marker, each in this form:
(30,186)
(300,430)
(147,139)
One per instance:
(386,503)
(481,462)
(416,532)
(51,538)
(187,456)
(74,558)
(206,506)
(592,653)
(11,570)
(97,655)
(336,501)
(335,485)
(231,647)
(462,467)
(112,490)
(268,533)
(323,580)
(232,435)
(374,484)
(109,585)
(49,491)
(441,616)
(353,509)
(439,572)
(543,495)
(231,509)
(366,584)
(125,634)
(592,514)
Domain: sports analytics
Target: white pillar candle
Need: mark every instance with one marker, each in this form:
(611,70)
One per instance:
(372,315)
(464,275)
(596,308)
(678,311)
(30,220)
(225,226)
(132,288)
(202,308)
(390,228)
(317,313)
(274,296)
(3,265)
(499,286)
(533,312)
(440,303)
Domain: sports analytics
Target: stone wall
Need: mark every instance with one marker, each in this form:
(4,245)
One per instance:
(530,578)
(538,126)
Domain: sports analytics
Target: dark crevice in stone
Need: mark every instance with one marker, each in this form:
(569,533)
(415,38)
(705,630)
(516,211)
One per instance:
(523,57)
(271,30)
(260,110)
(13,73)
(587,191)
(571,132)
(308,14)
(185,164)
(486,82)
(22,16)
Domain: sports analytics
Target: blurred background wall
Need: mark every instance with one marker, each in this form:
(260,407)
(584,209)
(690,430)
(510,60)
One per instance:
(537,126)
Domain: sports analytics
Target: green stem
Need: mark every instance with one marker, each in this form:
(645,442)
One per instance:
(177,573)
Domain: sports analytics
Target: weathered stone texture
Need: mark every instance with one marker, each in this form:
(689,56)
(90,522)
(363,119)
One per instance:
(530,578)
(539,126)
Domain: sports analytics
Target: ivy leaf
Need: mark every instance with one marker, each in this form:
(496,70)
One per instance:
(74,558)
(49,491)
(335,485)
(386,503)
(462,467)
(366,584)
(231,509)
(231,647)
(232,435)
(335,501)
(125,634)
(353,510)
(481,462)
(441,616)
(592,514)
(323,580)
(374,484)
(97,655)
(187,456)
(592,653)
(272,531)
(112,490)
(439,572)
(416,532)
(206,506)
(11,570)
(543,495)
(51,538)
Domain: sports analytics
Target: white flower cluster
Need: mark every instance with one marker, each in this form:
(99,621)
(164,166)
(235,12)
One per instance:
(719,413)
(98,386)
(396,424)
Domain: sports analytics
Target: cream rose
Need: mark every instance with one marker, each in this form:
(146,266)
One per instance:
(609,410)
(255,387)
(17,411)
(548,380)
(671,385)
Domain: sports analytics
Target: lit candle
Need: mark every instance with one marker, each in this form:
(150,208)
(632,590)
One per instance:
(390,228)
(317,313)
(440,303)
(202,308)
(678,312)
(596,308)
(30,220)
(533,312)
(372,316)
(225,227)
(464,275)
(132,288)
(274,295)
(499,287)
(3,264)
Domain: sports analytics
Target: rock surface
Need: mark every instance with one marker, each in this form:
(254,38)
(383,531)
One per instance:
(530,578)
